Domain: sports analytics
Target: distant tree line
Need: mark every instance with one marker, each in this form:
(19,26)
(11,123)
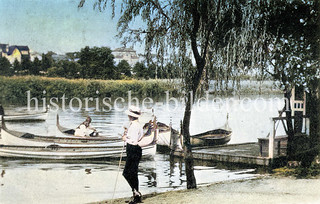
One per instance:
(89,63)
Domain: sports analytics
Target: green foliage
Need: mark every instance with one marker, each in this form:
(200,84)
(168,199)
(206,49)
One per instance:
(26,64)
(35,67)
(16,66)
(97,63)
(140,71)
(292,42)
(5,67)
(46,61)
(299,172)
(169,71)
(14,89)
(124,68)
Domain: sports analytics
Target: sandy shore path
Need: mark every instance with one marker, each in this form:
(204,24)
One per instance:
(275,190)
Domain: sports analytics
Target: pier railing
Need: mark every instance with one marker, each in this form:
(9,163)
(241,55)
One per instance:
(272,137)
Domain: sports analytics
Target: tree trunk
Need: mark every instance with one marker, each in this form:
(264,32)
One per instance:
(290,129)
(313,111)
(191,179)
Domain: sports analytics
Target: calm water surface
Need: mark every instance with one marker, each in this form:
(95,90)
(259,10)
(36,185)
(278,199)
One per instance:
(31,181)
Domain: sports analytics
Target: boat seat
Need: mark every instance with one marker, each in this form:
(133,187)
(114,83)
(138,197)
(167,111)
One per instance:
(71,132)
(28,135)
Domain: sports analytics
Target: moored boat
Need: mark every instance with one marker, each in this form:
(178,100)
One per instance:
(26,117)
(58,152)
(167,135)
(211,138)
(12,137)
(219,136)
(25,145)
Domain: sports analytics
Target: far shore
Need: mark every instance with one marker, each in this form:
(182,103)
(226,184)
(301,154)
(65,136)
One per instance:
(263,189)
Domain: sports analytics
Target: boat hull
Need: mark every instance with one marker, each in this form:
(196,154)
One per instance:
(211,138)
(164,138)
(10,137)
(25,117)
(56,152)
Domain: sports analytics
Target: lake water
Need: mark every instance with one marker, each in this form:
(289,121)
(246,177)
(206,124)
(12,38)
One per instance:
(31,181)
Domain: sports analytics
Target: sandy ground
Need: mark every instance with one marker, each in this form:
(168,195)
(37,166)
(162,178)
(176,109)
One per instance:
(267,189)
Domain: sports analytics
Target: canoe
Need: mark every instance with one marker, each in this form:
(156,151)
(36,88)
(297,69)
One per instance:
(58,152)
(209,138)
(25,145)
(15,138)
(219,136)
(11,137)
(26,117)
(70,133)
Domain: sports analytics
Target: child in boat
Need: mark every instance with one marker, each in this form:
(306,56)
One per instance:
(85,129)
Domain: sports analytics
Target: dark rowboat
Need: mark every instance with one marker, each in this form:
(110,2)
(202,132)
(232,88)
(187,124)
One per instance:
(211,138)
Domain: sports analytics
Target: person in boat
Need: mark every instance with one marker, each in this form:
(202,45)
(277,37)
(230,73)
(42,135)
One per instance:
(85,129)
(133,132)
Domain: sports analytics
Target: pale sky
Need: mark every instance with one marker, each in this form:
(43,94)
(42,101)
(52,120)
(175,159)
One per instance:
(56,25)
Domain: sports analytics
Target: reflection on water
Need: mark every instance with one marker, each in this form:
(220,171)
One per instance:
(35,181)
(29,181)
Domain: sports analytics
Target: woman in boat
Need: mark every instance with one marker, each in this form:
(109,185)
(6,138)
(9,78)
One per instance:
(85,129)
(132,136)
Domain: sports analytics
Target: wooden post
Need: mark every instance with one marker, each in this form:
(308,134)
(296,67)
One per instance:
(307,126)
(271,140)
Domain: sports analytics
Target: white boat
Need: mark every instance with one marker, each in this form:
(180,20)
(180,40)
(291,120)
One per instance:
(58,152)
(26,117)
(25,145)
(167,135)
(11,137)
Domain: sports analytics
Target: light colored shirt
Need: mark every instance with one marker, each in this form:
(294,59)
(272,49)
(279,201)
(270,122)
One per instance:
(134,132)
(82,131)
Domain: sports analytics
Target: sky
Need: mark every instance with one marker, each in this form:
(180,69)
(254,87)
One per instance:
(56,25)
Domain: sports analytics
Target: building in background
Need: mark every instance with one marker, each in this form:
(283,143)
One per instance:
(14,52)
(127,54)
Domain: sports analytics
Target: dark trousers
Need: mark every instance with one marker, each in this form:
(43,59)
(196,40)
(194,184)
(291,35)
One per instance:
(130,172)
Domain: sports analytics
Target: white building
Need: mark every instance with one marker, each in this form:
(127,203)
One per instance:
(128,54)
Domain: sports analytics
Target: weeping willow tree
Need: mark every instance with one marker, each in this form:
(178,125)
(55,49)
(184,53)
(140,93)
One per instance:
(291,52)
(204,38)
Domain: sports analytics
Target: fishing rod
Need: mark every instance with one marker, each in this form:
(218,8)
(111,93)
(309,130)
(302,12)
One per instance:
(115,185)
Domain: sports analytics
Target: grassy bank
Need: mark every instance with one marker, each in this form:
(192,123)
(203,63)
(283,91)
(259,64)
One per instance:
(14,89)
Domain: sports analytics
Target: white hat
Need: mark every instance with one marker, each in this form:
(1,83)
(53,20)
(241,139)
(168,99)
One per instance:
(133,111)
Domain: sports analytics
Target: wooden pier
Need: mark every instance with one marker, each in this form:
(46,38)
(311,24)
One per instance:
(246,153)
